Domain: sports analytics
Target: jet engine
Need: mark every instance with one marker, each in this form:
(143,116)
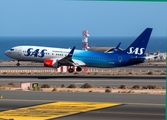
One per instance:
(51,63)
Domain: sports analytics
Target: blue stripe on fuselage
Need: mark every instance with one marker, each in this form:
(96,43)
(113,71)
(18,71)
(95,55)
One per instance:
(100,59)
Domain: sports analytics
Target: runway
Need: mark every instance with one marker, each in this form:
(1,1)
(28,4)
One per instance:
(26,105)
(23,67)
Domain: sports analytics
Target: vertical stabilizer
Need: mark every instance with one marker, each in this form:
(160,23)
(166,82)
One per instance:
(139,46)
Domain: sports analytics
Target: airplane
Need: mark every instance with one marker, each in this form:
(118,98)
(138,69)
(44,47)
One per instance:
(56,57)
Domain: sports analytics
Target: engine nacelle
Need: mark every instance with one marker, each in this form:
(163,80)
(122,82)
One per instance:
(51,63)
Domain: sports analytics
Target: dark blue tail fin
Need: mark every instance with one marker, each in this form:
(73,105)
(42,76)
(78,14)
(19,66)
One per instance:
(139,46)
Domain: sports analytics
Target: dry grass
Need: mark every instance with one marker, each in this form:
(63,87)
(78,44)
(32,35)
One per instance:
(72,86)
(125,87)
(12,84)
(164,73)
(154,90)
(108,90)
(63,86)
(109,87)
(86,85)
(45,86)
(137,87)
(54,89)
(152,87)
(150,73)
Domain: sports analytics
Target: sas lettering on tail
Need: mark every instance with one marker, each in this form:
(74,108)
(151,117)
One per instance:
(136,51)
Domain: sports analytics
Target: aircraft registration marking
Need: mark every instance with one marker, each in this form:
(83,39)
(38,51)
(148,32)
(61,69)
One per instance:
(52,110)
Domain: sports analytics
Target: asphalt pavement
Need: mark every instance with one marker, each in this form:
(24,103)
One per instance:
(73,106)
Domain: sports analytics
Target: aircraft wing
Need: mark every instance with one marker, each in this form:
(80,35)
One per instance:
(69,61)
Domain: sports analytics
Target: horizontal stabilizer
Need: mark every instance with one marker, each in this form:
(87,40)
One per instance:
(116,49)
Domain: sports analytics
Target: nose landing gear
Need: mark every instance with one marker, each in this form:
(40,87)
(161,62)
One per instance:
(17,64)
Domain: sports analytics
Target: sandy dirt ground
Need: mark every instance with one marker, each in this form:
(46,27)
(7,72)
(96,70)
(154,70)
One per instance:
(99,90)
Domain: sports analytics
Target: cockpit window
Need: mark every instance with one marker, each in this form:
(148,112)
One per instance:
(11,49)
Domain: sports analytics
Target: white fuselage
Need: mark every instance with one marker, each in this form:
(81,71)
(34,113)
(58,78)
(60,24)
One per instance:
(20,53)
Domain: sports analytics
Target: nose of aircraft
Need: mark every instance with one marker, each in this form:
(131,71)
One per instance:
(7,53)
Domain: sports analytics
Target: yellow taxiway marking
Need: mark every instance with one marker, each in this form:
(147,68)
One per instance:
(53,110)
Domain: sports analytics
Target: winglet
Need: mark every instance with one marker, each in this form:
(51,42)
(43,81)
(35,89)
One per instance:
(116,48)
(71,52)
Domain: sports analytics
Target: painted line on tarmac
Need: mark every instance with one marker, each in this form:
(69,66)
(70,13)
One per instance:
(53,110)
(125,113)
(151,104)
(26,100)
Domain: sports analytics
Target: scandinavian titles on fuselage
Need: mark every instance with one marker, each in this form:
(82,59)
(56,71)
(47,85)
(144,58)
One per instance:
(41,52)
(36,53)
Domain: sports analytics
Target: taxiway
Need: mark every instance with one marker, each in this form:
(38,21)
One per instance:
(73,106)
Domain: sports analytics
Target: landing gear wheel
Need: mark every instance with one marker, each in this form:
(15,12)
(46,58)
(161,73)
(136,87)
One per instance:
(70,70)
(18,64)
(79,69)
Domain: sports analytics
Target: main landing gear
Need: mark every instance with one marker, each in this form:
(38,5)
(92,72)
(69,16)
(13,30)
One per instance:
(78,69)
(71,70)
(17,64)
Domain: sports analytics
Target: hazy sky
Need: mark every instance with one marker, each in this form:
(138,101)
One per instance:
(69,18)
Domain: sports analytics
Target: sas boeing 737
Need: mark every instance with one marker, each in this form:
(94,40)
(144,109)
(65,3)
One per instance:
(56,57)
